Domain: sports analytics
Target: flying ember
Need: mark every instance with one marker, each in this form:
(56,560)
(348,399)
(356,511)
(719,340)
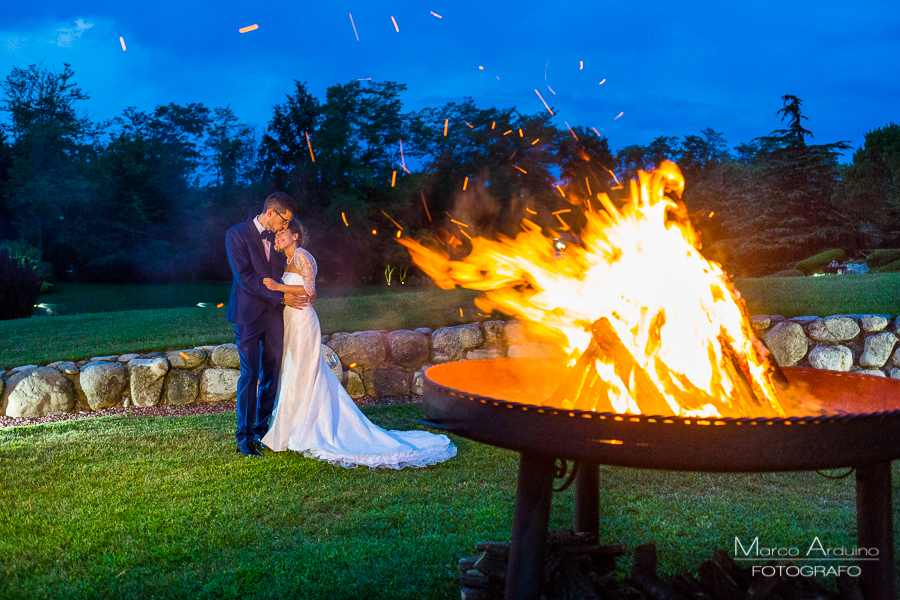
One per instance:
(648,324)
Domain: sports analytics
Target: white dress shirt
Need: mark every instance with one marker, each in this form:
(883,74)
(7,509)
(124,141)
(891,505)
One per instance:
(266,243)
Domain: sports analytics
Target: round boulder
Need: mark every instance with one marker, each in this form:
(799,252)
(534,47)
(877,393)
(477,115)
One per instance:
(353,383)
(833,329)
(147,378)
(831,358)
(450,343)
(38,392)
(182,387)
(102,383)
(873,323)
(227,356)
(787,342)
(387,380)
(363,348)
(514,332)
(186,359)
(493,334)
(408,348)
(878,349)
(334,363)
(219,384)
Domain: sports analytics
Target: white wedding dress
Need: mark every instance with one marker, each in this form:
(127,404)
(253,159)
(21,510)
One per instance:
(314,415)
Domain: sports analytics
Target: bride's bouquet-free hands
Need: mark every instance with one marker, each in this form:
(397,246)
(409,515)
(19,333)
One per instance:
(295,296)
(274,285)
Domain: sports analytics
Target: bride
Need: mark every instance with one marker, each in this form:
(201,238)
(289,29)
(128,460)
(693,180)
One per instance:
(314,415)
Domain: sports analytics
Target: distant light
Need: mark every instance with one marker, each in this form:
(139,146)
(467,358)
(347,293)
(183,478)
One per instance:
(394,21)
(374,231)
(481,68)
(603,81)
(437,15)
(551,89)
(248,28)
(465,183)
(219,305)
(619,115)
(580,65)
(122,41)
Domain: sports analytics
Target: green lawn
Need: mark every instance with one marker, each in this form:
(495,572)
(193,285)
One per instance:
(120,507)
(80,298)
(822,296)
(46,339)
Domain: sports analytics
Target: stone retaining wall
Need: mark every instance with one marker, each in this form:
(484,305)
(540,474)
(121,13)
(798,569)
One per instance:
(382,363)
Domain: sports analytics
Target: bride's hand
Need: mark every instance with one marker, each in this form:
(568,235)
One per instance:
(269,283)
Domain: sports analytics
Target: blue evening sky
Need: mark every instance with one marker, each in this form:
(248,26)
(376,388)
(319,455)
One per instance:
(670,68)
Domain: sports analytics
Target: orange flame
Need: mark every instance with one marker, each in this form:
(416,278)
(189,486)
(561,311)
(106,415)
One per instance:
(638,268)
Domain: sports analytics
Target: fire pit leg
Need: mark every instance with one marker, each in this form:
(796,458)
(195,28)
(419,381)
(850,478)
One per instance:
(529,529)
(587,498)
(875,529)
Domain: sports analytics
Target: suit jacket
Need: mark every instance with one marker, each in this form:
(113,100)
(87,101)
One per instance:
(247,258)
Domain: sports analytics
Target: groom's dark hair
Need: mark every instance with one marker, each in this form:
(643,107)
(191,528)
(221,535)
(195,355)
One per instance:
(280,202)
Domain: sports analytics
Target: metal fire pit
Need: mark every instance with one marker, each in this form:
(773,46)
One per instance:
(496,402)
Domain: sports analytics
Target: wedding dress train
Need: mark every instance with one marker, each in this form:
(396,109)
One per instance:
(314,415)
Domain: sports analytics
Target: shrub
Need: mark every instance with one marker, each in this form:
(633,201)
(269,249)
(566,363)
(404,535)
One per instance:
(814,264)
(21,251)
(891,267)
(881,258)
(21,284)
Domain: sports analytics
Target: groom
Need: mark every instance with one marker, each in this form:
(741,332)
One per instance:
(256,312)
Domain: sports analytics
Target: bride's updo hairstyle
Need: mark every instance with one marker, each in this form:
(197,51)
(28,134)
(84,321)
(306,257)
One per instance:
(294,226)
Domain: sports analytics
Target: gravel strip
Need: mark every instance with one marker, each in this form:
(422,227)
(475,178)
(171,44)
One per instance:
(196,408)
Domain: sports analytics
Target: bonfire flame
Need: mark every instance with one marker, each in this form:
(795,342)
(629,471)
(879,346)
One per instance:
(649,325)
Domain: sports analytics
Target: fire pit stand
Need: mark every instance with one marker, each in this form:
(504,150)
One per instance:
(861,429)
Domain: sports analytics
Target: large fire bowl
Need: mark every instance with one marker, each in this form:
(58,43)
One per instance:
(497,402)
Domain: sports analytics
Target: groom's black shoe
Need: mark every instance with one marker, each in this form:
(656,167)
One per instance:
(257,443)
(248,450)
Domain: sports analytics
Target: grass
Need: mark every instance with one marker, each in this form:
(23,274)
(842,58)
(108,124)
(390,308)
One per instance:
(117,507)
(81,298)
(46,339)
(822,296)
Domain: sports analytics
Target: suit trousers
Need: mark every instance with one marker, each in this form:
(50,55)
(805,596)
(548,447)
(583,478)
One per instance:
(260,345)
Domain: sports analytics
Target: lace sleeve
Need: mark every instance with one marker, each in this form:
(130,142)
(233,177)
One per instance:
(304,261)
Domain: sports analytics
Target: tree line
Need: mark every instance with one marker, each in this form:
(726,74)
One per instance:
(148,195)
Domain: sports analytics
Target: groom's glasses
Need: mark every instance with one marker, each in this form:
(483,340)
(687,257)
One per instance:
(280,216)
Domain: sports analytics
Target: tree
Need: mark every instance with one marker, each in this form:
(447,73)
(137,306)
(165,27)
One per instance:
(781,206)
(871,186)
(50,140)
(283,149)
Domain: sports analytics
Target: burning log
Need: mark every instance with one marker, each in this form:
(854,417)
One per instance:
(583,388)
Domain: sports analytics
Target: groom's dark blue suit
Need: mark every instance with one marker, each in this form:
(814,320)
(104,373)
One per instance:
(257,314)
